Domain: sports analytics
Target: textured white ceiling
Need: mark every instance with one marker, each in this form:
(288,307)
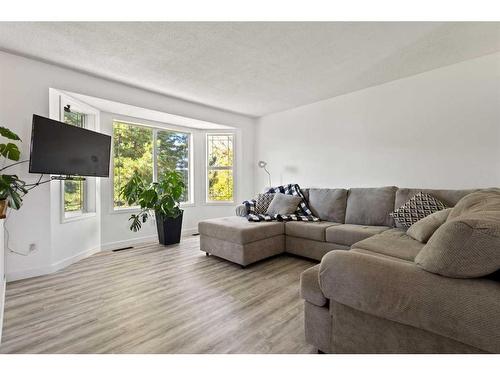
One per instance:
(252,68)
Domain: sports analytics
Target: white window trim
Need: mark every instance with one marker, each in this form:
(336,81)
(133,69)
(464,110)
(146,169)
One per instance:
(208,202)
(155,127)
(93,114)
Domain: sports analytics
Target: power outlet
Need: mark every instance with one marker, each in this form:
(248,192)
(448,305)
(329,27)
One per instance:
(32,247)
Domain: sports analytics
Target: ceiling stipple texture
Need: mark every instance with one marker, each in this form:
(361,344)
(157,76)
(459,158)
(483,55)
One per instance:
(252,68)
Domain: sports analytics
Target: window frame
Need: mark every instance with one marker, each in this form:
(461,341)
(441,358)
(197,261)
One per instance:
(155,127)
(209,202)
(92,123)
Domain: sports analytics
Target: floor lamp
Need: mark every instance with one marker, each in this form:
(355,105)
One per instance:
(262,164)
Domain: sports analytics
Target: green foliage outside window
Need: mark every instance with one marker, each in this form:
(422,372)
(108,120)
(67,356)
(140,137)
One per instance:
(133,155)
(220,167)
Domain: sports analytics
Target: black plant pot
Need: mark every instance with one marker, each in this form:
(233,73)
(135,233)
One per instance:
(169,229)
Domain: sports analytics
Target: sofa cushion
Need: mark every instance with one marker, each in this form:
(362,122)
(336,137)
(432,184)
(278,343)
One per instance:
(262,202)
(423,229)
(328,204)
(348,234)
(394,242)
(309,287)
(239,230)
(309,230)
(468,244)
(447,196)
(283,204)
(416,208)
(370,206)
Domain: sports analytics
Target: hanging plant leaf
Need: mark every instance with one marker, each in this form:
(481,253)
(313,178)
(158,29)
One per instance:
(10,151)
(9,134)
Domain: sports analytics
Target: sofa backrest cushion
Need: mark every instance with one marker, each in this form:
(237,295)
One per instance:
(467,245)
(370,206)
(447,196)
(328,204)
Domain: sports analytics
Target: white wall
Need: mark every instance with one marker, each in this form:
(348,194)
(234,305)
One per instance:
(24,90)
(439,129)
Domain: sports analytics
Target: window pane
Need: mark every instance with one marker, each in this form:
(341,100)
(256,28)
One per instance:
(74,190)
(220,185)
(73,196)
(133,150)
(74,118)
(173,153)
(220,150)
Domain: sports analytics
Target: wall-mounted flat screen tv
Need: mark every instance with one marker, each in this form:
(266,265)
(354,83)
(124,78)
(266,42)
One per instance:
(62,149)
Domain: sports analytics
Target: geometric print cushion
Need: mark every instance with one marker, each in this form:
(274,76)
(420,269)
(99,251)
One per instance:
(417,207)
(262,202)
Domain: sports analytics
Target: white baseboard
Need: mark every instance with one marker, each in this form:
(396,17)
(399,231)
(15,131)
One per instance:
(2,304)
(33,272)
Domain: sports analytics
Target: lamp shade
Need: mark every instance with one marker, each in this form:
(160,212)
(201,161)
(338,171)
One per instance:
(262,164)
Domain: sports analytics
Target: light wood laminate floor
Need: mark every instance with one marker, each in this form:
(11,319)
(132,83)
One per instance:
(155,299)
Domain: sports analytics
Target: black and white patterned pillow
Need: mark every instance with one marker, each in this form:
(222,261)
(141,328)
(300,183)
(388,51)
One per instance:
(262,202)
(417,207)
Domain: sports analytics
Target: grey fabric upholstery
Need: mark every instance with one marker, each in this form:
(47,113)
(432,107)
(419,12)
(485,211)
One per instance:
(283,204)
(423,229)
(447,196)
(241,210)
(373,253)
(310,248)
(371,206)
(394,242)
(468,244)
(328,204)
(309,287)
(463,310)
(356,332)
(239,230)
(348,234)
(318,327)
(243,254)
(311,230)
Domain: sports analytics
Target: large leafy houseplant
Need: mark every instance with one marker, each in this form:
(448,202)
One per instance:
(12,189)
(162,198)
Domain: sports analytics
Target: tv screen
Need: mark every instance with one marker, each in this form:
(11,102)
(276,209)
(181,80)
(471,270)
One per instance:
(59,148)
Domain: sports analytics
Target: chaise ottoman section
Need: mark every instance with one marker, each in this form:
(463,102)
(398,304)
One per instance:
(240,241)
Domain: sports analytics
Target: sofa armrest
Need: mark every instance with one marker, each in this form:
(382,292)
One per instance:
(466,310)
(241,210)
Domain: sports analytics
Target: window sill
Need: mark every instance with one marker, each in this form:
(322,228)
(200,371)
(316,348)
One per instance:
(77,217)
(131,210)
(215,203)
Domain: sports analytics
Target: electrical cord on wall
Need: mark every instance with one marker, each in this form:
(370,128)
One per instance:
(28,188)
(7,238)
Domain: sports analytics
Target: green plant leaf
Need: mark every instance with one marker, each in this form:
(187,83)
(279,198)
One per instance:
(10,151)
(7,133)
(12,189)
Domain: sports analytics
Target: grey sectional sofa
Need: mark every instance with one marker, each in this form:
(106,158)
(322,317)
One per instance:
(347,217)
(372,298)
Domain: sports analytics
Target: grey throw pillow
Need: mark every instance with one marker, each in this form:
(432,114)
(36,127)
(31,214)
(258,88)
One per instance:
(466,245)
(423,229)
(262,202)
(283,204)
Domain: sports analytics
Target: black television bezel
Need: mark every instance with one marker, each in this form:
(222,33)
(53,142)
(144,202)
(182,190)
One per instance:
(62,173)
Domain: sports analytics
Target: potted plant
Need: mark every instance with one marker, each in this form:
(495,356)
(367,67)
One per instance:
(12,189)
(162,198)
